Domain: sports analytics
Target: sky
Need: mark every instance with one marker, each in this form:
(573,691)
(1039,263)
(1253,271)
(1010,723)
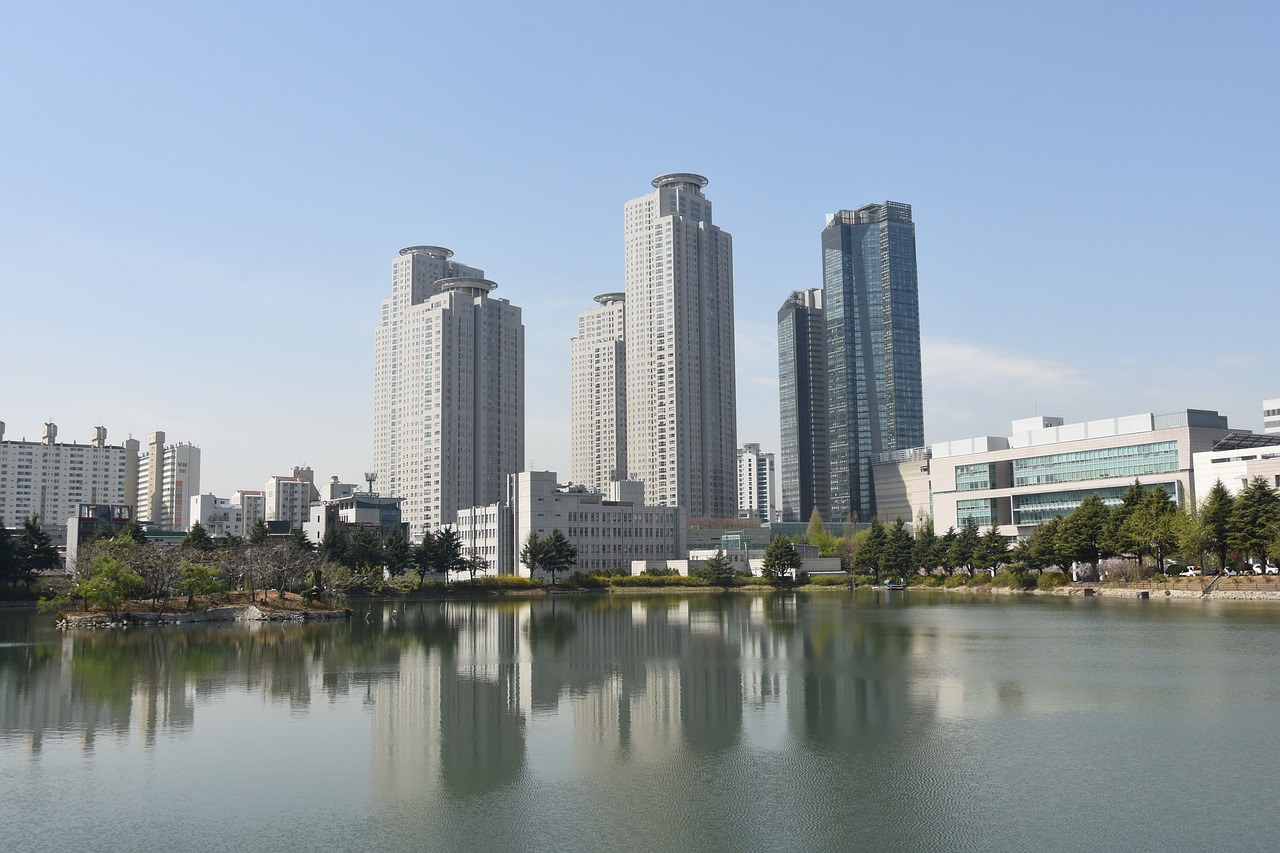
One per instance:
(200,203)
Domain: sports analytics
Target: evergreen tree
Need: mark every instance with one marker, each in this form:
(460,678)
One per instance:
(1119,537)
(1080,533)
(719,570)
(424,557)
(870,554)
(898,549)
(364,549)
(258,533)
(397,555)
(132,531)
(198,539)
(448,553)
(992,550)
(35,552)
(1254,519)
(966,544)
(1215,512)
(780,558)
(8,556)
(299,539)
(946,547)
(533,553)
(924,550)
(1192,534)
(333,545)
(816,534)
(1151,525)
(559,555)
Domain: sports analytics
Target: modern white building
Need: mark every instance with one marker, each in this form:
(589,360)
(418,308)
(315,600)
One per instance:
(353,511)
(168,476)
(290,498)
(681,398)
(1271,416)
(610,530)
(448,389)
(598,394)
(1236,460)
(51,480)
(1045,467)
(220,517)
(757,484)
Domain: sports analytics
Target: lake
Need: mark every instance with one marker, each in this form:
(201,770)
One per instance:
(816,721)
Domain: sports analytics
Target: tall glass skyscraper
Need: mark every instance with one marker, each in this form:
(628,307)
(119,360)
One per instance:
(873,347)
(802,397)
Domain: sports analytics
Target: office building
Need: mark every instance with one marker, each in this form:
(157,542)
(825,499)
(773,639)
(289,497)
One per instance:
(610,530)
(757,484)
(51,480)
(448,389)
(598,394)
(803,406)
(1044,468)
(681,405)
(872,306)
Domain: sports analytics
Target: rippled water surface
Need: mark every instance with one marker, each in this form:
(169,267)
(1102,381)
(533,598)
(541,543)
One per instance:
(822,721)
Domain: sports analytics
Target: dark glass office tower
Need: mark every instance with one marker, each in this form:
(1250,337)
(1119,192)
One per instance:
(873,347)
(802,398)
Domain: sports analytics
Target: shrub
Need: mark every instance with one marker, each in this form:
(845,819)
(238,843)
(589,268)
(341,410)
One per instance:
(648,580)
(864,580)
(828,580)
(590,580)
(1013,580)
(927,581)
(1049,580)
(507,582)
(953,581)
(978,579)
(752,580)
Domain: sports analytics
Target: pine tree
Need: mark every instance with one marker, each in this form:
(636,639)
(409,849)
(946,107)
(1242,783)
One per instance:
(781,558)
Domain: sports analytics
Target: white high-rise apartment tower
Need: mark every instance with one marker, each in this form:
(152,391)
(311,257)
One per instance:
(448,398)
(598,395)
(681,402)
(757,484)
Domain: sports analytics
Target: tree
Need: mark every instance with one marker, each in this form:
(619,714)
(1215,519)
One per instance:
(1118,536)
(397,555)
(992,550)
(8,556)
(780,559)
(109,585)
(870,554)
(1080,533)
(195,580)
(258,533)
(364,549)
(1216,514)
(448,553)
(816,535)
(898,549)
(333,545)
(1254,519)
(424,556)
(532,553)
(132,530)
(718,570)
(559,555)
(1039,551)
(198,539)
(946,546)
(1192,533)
(33,550)
(965,545)
(477,565)
(924,550)
(1151,526)
(299,539)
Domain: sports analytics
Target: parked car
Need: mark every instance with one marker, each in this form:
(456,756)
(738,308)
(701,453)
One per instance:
(1273,570)
(1191,572)
(1258,568)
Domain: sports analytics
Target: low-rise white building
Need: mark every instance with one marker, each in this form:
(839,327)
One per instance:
(1235,461)
(220,517)
(357,510)
(610,530)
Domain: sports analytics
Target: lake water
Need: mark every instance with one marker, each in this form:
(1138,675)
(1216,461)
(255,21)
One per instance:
(814,721)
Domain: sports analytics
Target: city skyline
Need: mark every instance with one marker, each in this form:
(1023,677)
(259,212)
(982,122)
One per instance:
(1057,171)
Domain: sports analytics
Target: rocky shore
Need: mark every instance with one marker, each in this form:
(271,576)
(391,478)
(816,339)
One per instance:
(231,613)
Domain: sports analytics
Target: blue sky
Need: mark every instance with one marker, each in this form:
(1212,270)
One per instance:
(199,204)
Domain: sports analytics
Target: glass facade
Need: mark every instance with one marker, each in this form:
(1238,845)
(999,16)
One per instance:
(971,478)
(1133,461)
(981,510)
(802,398)
(873,347)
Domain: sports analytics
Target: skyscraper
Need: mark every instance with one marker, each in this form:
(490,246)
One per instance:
(448,413)
(681,401)
(873,346)
(802,397)
(757,484)
(598,395)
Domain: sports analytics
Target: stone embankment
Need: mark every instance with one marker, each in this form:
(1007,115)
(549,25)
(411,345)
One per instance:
(247,613)
(1221,594)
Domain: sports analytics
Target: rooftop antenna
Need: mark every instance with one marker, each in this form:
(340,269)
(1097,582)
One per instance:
(369,477)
